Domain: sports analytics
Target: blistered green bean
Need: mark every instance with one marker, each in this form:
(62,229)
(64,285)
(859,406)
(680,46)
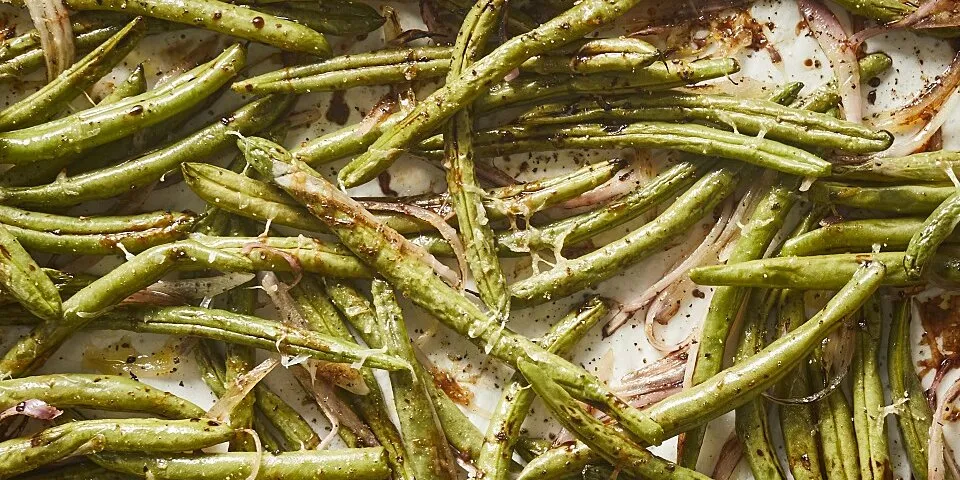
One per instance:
(914,413)
(21,277)
(869,419)
(928,238)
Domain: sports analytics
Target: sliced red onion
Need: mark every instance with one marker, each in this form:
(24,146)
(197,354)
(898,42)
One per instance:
(615,187)
(200,287)
(258,448)
(52,21)
(239,389)
(386,107)
(32,408)
(730,455)
(656,381)
(336,411)
(436,221)
(512,75)
(841,53)
(936,467)
(924,12)
(291,260)
(930,100)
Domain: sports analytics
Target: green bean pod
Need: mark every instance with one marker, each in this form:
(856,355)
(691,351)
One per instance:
(134,435)
(916,168)
(340,17)
(22,278)
(928,238)
(574,275)
(868,417)
(690,138)
(101,392)
(133,85)
(855,236)
(289,253)
(838,440)
(54,96)
(901,199)
(425,444)
(90,128)
(562,462)
(827,97)
(99,244)
(84,470)
(116,180)
(240,22)
(743,115)
(346,464)
(914,413)
(31,59)
(751,423)
(820,272)
(611,443)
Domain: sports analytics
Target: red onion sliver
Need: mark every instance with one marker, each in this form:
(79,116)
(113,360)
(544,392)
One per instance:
(841,53)
(32,408)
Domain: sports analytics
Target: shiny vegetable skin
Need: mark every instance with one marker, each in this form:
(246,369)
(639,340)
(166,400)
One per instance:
(747,379)
(869,419)
(915,415)
(820,272)
(457,94)
(934,231)
(84,470)
(90,128)
(100,244)
(496,452)
(54,96)
(21,277)
(574,275)
(391,254)
(916,168)
(119,179)
(344,464)
(611,443)
(101,392)
(245,23)
(134,435)
(133,85)
(838,440)
(855,236)
(426,448)
(24,63)
(275,253)
(31,351)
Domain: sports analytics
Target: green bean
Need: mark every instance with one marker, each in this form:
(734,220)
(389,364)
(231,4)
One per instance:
(221,17)
(745,380)
(919,167)
(144,269)
(103,244)
(90,128)
(751,418)
(838,441)
(570,276)
(575,229)
(112,181)
(690,138)
(91,436)
(289,253)
(928,238)
(901,199)
(330,17)
(658,76)
(66,283)
(562,462)
(349,464)
(426,446)
(787,94)
(46,222)
(766,220)
(133,85)
(820,272)
(913,412)
(458,93)
(79,471)
(30,40)
(102,392)
(22,278)
(321,313)
(388,252)
(798,422)
(755,117)
(463,187)
(855,236)
(54,96)
(496,452)
(827,97)
(611,443)
(296,431)
(31,59)
(868,419)
(883,11)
